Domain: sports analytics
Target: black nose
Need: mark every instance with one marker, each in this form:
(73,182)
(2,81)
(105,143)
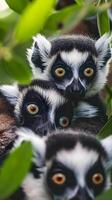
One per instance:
(82,194)
(75,89)
(45,129)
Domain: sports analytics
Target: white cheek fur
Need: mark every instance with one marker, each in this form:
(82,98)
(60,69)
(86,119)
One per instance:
(35,188)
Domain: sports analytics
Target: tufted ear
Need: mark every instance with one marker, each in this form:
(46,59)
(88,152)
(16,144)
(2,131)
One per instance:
(10,93)
(107,144)
(38,144)
(110,14)
(102,47)
(38,54)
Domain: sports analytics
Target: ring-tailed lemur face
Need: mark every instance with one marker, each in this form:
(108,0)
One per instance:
(74,166)
(41,108)
(77,64)
(76,170)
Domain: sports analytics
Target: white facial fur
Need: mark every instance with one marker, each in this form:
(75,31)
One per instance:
(79,160)
(35,188)
(11,93)
(101,79)
(52,97)
(74,59)
(38,144)
(107,144)
(75,160)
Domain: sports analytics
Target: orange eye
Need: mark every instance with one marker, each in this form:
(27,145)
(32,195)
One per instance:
(97,179)
(88,71)
(32,109)
(60,72)
(64,122)
(59,179)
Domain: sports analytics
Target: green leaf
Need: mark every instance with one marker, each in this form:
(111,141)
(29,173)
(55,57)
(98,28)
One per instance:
(106,130)
(103,22)
(105,196)
(14,170)
(18,5)
(16,69)
(8,19)
(66,18)
(80,2)
(33,19)
(4,77)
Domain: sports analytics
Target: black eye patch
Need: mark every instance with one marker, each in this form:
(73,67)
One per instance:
(29,120)
(64,115)
(88,64)
(97,168)
(70,181)
(34,97)
(59,63)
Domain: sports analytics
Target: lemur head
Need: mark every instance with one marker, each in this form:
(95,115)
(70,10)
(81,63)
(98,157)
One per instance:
(39,106)
(75,166)
(77,64)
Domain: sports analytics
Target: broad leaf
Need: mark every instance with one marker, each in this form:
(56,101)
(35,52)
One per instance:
(103,22)
(16,69)
(14,170)
(106,130)
(105,196)
(18,6)
(8,19)
(33,19)
(4,77)
(66,18)
(80,2)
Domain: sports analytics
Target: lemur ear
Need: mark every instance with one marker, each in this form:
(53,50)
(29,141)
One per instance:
(102,47)
(110,13)
(10,93)
(38,144)
(107,144)
(39,52)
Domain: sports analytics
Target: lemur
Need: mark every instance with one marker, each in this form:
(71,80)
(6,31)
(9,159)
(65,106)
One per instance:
(41,107)
(66,165)
(78,65)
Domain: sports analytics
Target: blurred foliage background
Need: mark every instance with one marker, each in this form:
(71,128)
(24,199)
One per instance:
(22,19)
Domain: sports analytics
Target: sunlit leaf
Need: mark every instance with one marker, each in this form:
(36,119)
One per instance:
(80,2)
(106,130)
(14,170)
(16,69)
(7,22)
(66,18)
(103,22)
(33,19)
(18,6)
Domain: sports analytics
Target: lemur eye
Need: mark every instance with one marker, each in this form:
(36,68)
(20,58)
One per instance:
(59,179)
(32,109)
(64,122)
(60,72)
(88,71)
(97,179)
